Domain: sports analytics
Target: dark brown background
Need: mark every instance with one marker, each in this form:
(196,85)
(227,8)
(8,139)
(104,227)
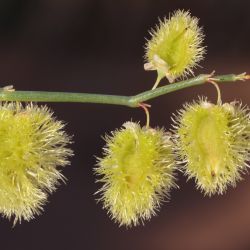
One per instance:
(97,46)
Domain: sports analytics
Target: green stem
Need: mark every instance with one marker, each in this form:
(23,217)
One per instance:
(131,101)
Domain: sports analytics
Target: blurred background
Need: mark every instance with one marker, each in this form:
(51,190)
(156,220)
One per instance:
(97,46)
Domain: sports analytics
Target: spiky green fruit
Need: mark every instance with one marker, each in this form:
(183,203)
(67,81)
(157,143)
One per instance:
(175,47)
(213,142)
(136,171)
(32,147)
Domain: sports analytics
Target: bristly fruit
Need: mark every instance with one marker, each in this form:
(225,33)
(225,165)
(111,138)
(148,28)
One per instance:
(213,143)
(32,146)
(175,47)
(136,171)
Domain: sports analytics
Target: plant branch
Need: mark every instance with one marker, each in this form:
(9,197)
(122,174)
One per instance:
(8,94)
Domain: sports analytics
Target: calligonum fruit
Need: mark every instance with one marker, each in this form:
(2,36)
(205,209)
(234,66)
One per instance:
(212,141)
(175,47)
(136,171)
(33,146)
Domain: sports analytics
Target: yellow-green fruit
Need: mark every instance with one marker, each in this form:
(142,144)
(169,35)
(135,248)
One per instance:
(136,171)
(175,47)
(32,146)
(213,142)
